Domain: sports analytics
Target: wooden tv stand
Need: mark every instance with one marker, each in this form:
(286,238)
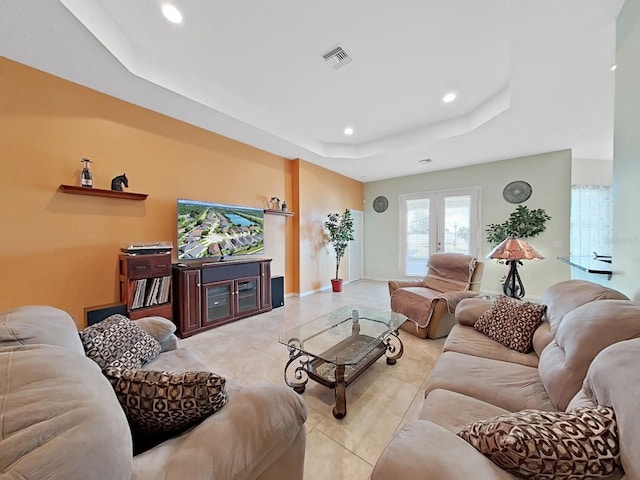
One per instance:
(209,294)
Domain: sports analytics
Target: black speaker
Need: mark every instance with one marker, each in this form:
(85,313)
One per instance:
(277,291)
(100,312)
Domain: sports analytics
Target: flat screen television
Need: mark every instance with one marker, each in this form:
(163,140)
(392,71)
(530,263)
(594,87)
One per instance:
(216,230)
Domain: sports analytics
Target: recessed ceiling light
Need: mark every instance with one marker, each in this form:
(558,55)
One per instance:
(449,97)
(613,67)
(171,13)
(348,131)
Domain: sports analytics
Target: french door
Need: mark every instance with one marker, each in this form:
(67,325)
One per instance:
(434,222)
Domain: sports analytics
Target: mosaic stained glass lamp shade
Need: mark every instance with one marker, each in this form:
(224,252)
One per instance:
(513,250)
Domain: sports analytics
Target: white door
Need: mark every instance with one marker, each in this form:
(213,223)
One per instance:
(433,222)
(356,250)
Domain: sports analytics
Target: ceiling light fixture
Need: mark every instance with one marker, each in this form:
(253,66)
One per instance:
(348,131)
(613,67)
(171,13)
(449,97)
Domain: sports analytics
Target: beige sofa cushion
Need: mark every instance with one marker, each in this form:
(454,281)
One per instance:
(60,418)
(563,297)
(507,385)
(31,325)
(258,425)
(581,335)
(612,379)
(455,411)
(423,449)
(468,340)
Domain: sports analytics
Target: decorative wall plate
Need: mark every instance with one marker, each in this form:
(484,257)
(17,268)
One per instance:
(380,204)
(517,192)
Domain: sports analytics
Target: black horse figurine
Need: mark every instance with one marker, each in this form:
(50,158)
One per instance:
(117,182)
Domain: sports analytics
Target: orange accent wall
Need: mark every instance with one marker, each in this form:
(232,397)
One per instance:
(321,192)
(62,250)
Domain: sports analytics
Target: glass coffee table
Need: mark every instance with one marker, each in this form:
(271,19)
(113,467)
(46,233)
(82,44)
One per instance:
(336,348)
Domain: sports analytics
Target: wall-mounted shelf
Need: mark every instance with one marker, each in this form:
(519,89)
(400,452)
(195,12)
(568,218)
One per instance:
(589,265)
(97,192)
(279,212)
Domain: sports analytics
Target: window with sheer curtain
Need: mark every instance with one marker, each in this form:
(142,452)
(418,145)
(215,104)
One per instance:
(591,212)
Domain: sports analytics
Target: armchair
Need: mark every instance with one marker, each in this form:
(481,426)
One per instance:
(429,303)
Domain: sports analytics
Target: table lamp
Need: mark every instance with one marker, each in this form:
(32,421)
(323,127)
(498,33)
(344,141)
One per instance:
(513,250)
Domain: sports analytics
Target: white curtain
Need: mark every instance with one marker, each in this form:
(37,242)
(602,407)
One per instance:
(591,212)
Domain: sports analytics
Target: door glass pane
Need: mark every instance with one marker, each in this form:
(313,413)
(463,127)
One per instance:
(417,236)
(457,213)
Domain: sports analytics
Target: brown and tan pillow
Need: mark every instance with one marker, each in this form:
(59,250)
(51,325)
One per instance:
(119,342)
(511,322)
(582,443)
(158,401)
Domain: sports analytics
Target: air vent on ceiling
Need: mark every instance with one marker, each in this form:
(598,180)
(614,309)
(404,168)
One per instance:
(337,57)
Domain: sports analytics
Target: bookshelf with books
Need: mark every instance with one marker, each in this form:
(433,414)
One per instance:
(145,284)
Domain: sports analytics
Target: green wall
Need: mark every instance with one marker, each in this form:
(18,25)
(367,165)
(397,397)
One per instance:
(549,174)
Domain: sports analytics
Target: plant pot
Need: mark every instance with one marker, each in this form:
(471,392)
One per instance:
(336,284)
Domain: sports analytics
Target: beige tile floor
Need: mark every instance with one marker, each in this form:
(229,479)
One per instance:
(379,402)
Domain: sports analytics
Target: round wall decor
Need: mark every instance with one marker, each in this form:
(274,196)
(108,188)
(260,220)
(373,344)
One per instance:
(517,192)
(380,204)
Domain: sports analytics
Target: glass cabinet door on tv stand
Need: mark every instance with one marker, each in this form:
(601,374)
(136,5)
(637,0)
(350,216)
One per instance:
(247,295)
(225,300)
(218,302)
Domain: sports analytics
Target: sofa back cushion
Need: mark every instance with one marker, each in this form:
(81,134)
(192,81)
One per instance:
(60,418)
(31,325)
(581,335)
(613,380)
(449,272)
(564,297)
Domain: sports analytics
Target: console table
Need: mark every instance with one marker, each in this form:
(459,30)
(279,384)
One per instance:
(209,294)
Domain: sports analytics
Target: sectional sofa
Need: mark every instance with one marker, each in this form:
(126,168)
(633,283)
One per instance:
(60,417)
(585,353)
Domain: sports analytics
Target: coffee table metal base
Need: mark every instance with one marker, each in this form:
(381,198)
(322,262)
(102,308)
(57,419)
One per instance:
(302,366)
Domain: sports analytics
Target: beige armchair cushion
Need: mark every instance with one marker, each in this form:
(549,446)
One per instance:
(449,271)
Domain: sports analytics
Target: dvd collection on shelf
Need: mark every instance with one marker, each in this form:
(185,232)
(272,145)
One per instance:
(157,292)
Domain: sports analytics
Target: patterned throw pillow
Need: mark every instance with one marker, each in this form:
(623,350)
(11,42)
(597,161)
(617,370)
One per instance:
(511,322)
(156,401)
(582,443)
(119,342)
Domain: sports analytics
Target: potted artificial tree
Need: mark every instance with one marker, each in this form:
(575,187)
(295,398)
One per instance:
(340,230)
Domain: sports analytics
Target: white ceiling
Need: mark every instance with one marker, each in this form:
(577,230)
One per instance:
(530,76)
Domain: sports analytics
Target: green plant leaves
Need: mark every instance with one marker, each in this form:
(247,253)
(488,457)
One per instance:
(340,230)
(522,223)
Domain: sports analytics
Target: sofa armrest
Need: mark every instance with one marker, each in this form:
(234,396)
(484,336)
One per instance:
(427,451)
(469,309)
(256,430)
(396,284)
(158,327)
